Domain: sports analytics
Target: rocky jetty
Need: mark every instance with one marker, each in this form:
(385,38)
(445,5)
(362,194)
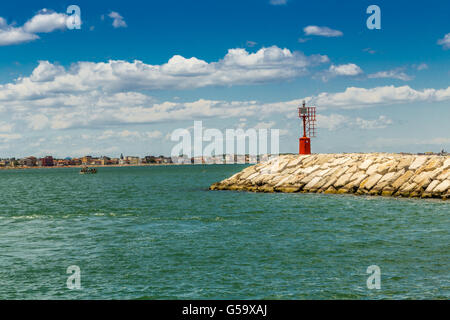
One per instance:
(425,176)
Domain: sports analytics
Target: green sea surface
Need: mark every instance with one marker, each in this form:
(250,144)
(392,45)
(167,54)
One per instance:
(158,233)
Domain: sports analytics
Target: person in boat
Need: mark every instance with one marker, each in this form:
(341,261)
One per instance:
(88,170)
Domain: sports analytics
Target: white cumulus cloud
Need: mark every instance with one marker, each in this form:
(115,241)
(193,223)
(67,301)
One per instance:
(349,69)
(101,109)
(10,36)
(118,21)
(237,67)
(6,137)
(44,21)
(354,97)
(322,31)
(397,73)
(445,42)
(336,121)
(380,123)
(332,121)
(420,67)
(278,2)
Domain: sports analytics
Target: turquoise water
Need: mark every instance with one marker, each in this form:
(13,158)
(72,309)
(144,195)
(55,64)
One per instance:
(158,233)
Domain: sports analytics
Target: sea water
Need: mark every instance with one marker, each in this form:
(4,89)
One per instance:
(157,232)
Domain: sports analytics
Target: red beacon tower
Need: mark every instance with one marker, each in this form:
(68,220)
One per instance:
(308,115)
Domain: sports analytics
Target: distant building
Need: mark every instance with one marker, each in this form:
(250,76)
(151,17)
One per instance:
(13,162)
(62,162)
(150,159)
(96,161)
(182,159)
(105,161)
(76,161)
(198,160)
(47,161)
(86,160)
(28,161)
(132,160)
(166,160)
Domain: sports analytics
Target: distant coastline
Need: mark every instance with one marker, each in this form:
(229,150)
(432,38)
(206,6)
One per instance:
(113,165)
(104,161)
(94,166)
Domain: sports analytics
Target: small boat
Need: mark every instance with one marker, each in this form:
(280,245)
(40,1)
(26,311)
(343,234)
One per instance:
(86,170)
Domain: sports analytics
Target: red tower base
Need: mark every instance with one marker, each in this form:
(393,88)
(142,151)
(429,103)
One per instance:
(304,145)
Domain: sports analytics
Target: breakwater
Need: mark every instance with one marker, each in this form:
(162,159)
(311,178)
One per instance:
(386,174)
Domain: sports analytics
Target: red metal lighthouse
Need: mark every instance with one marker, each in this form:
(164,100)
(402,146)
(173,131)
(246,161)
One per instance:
(308,115)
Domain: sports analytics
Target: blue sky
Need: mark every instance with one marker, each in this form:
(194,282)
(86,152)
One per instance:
(137,70)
